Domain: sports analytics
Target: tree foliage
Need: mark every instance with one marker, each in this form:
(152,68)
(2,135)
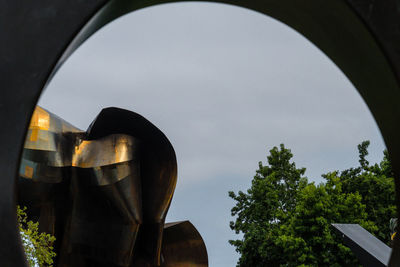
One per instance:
(285,220)
(38,246)
(375,184)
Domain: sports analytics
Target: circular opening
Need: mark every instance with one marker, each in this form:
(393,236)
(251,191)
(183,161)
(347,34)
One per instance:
(223,90)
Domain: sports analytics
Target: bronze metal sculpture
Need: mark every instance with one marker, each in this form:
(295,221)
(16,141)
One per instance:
(360,36)
(105,193)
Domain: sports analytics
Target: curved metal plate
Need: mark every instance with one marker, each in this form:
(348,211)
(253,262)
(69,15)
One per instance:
(183,246)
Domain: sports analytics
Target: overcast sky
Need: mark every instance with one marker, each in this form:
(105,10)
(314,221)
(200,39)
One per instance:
(225,85)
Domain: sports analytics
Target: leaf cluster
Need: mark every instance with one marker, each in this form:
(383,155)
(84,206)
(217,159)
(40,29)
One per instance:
(285,220)
(38,245)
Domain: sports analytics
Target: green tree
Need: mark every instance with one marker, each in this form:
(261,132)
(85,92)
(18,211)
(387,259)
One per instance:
(286,221)
(38,246)
(375,184)
(318,207)
(265,207)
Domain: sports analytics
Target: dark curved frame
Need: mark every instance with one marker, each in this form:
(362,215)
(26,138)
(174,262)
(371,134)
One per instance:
(362,37)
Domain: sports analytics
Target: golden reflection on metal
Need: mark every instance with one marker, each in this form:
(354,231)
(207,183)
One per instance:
(112,149)
(105,198)
(28,172)
(40,119)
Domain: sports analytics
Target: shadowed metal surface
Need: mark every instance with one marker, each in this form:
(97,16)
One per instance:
(101,193)
(360,36)
(369,250)
(183,246)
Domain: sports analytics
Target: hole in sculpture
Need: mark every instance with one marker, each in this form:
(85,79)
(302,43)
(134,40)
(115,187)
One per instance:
(223,89)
